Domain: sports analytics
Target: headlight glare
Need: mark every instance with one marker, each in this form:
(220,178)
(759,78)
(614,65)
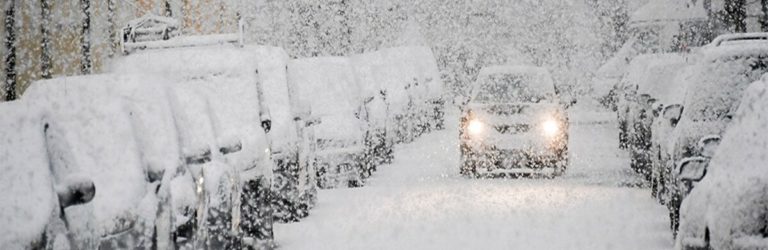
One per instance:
(475,127)
(551,127)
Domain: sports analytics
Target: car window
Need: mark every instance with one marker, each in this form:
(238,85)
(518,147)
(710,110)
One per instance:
(509,88)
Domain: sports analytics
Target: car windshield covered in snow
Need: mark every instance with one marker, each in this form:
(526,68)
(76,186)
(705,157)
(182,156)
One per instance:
(716,92)
(511,88)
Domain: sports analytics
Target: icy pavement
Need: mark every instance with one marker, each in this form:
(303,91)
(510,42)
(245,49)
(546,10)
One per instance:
(421,202)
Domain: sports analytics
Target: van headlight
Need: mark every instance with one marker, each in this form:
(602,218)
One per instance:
(551,128)
(475,127)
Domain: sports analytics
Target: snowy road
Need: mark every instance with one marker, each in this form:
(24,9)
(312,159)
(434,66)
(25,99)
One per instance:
(421,202)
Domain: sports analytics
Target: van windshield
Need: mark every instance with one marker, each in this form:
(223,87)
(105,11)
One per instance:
(512,88)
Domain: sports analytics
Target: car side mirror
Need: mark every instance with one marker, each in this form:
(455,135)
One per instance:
(202,157)
(673,113)
(693,169)
(266,125)
(75,191)
(313,121)
(708,145)
(231,147)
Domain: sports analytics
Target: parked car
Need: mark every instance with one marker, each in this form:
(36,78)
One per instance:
(726,207)
(651,83)
(431,81)
(147,103)
(217,186)
(33,201)
(368,70)
(730,63)
(90,133)
(328,85)
(514,124)
(292,140)
(227,79)
(668,109)
(403,93)
(626,90)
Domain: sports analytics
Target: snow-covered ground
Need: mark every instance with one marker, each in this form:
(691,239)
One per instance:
(421,202)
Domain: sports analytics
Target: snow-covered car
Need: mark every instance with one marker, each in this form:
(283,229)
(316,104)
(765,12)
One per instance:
(514,123)
(726,208)
(217,188)
(226,85)
(669,106)
(146,101)
(404,94)
(370,75)
(292,141)
(432,83)
(650,84)
(328,85)
(33,202)
(89,132)
(626,91)
(729,64)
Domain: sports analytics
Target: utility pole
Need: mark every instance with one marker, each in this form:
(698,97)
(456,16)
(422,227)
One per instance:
(10,46)
(85,39)
(46,64)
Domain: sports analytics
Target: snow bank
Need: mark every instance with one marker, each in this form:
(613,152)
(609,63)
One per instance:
(27,201)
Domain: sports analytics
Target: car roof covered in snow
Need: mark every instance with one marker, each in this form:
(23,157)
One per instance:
(639,68)
(98,131)
(189,61)
(661,80)
(27,200)
(753,44)
(541,73)
(669,11)
(329,85)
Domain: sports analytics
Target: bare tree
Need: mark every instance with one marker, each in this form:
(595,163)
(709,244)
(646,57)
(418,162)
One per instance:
(112,28)
(85,39)
(764,16)
(46,64)
(736,15)
(10,45)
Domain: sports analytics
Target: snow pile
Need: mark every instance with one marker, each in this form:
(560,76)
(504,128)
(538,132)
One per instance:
(98,131)
(27,201)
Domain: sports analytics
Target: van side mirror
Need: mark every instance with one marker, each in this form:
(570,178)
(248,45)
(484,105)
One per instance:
(673,113)
(693,169)
(75,191)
